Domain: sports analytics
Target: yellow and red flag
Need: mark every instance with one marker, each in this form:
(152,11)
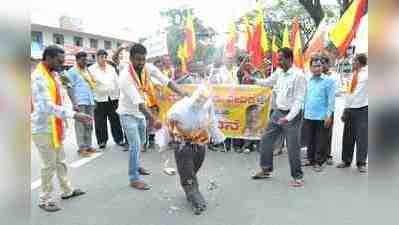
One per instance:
(286,38)
(345,29)
(230,48)
(297,47)
(275,49)
(182,55)
(190,37)
(260,44)
(248,33)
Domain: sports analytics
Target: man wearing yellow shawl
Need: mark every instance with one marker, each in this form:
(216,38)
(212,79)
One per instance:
(47,122)
(81,94)
(137,95)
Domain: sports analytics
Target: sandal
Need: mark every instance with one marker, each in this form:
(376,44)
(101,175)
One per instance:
(91,150)
(143,171)
(84,153)
(296,183)
(75,193)
(49,207)
(169,171)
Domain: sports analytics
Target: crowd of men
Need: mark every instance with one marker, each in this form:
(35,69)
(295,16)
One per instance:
(302,114)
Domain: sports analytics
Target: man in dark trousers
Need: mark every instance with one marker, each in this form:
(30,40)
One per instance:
(318,110)
(192,124)
(106,94)
(290,86)
(355,117)
(325,60)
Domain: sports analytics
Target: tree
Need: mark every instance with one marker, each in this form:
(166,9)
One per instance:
(284,11)
(175,35)
(344,4)
(314,8)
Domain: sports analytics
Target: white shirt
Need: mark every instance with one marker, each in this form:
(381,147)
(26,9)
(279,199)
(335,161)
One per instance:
(106,83)
(130,96)
(290,88)
(359,98)
(44,107)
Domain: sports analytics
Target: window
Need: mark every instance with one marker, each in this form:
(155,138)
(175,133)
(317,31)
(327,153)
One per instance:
(78,41)
(37,36)
(58,39)
(107,44)
(93,43)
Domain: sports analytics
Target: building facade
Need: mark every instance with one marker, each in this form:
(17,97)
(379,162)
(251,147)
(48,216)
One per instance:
(72,41)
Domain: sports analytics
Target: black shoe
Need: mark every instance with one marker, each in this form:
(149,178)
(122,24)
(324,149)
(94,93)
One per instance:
(330,161)
(125,148)
(343,165)
(362,169)
(317,168)
(121,143)
(102,145)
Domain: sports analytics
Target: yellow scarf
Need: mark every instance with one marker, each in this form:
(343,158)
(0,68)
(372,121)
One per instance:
(145,86)
(87,77)
(57,130)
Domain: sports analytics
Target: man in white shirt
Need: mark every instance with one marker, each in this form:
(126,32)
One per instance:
(355,117)
(106,94)
(290,86)
(46,135)
(135,99)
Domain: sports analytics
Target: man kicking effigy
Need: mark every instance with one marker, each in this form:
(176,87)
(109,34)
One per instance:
(192,124)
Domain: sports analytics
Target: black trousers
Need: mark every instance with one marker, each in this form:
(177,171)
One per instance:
(107,111)
(329,140)
(355,132)
(316,136)
(189,158)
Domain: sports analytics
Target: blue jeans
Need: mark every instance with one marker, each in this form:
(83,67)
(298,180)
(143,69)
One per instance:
(135,129)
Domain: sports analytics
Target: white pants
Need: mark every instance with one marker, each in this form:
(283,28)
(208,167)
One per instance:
(53,162)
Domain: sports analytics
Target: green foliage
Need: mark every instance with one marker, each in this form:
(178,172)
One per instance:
(176,35)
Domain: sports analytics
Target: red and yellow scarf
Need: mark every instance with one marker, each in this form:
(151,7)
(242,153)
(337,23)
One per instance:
(354,82)
(57,130)
(145,86)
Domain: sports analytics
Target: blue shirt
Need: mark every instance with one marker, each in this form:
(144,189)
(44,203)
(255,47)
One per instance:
(81,89)
(320,97)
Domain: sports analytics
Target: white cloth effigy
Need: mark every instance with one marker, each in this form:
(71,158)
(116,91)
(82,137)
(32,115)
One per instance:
(194,116)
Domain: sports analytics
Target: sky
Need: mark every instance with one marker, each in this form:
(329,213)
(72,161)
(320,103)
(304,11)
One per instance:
(141,17)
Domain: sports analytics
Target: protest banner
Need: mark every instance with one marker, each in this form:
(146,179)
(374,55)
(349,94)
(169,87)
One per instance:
(242,110)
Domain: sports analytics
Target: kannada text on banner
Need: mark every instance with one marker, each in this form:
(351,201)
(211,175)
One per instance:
(242,110)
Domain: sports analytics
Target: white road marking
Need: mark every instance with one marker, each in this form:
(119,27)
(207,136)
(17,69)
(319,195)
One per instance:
(75,164)
(83,161)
